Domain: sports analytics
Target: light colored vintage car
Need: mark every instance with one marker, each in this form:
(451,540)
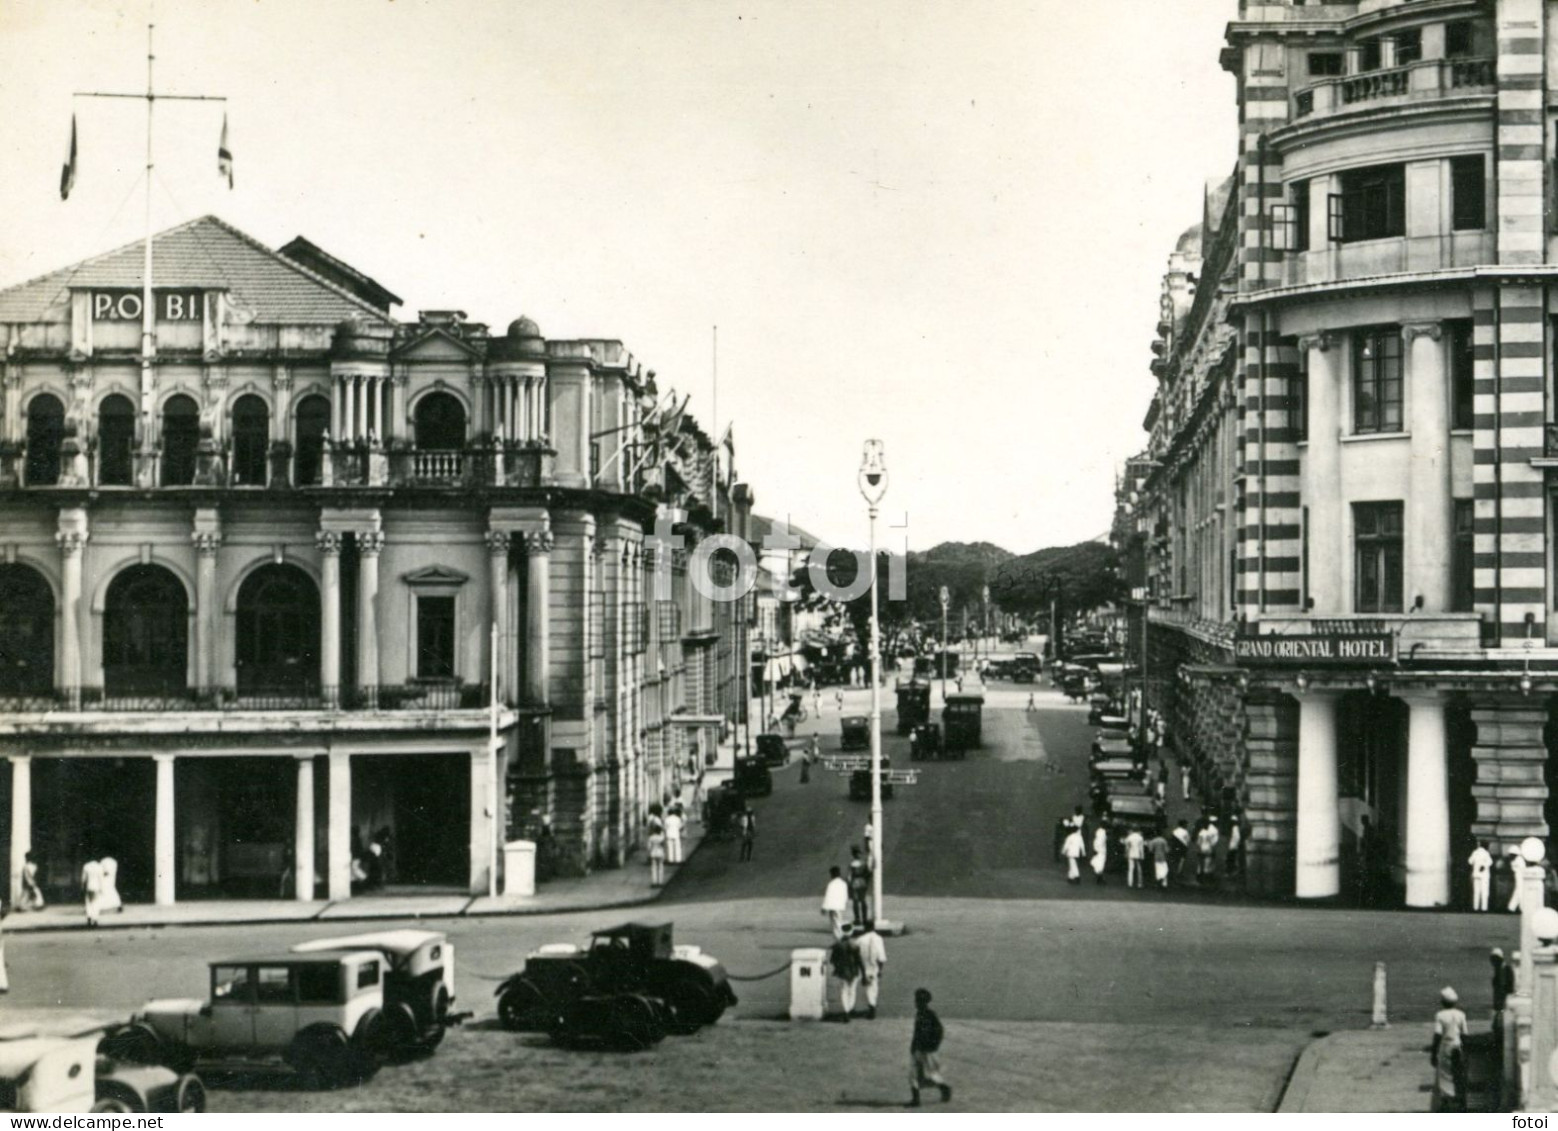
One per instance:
(58,1069)
(418,983)
(322,1015)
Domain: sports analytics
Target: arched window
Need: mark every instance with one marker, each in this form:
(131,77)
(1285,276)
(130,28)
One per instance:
(45,430)
(116,442)
(145,633)
(313,421)
(440,423)
(180,436)
(26,632)
(278,632)
(251,441)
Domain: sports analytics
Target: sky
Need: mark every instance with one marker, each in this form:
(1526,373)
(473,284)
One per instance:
(940,223)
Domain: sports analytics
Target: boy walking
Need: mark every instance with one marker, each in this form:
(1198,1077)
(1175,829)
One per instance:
(924,1061)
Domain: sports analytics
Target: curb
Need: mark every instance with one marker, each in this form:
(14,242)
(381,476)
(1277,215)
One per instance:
(1301,1078)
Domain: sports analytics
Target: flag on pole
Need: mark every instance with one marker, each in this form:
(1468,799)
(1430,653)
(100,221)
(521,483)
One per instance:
(68,173)
(224,156)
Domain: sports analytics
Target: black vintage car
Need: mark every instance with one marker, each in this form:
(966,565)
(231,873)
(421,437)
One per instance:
(772,750)
(854,732)
(860,783)
(628,988)
(751,778)
(925,743)
(913,704)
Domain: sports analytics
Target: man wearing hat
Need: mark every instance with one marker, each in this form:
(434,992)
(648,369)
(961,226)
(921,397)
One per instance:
(924,1061)
(873,961)
(1448,1055)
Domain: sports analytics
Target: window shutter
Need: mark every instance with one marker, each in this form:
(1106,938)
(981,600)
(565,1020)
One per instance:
(1284,233)
(1333,217)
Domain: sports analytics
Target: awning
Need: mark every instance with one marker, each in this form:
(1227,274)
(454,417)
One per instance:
(695,722)
(778,668)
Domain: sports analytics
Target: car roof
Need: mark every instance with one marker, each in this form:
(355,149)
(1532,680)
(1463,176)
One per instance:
(628,928)
(401,942)
(287,958)
(855,719)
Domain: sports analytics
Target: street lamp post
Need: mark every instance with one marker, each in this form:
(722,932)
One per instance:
(873,485)
(946,598)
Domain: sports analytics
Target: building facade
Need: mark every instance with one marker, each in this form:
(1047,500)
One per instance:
(283,572)
(1341,526)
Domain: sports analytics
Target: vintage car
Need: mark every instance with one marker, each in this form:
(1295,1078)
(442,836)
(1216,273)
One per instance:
(925,743)
(751,778)
(772,750)
(418,984)
(59,1068)
(628,988)
(913,704)
(1113,743)
(860,783)
(321,1015)
(854,732)
(962,724)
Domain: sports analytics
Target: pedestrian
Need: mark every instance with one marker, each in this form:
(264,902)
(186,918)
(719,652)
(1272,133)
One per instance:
(1031,705)
(1100,857)
(816,701)
(1517,871)
(1184,779)
(844,961)
(1158,849)
(859,884)
(746,822)
(1503,980)
(1206,849)
(657,842)
(1135,853)
(873,963)
(1448,1055)
(673,835)
(1235,857)
(1073,850)
(92,890)
(869,837)
(32,895)
(838,699)
(110,900)
(925,1049)
(656,819)
(1481,863)
(835,901)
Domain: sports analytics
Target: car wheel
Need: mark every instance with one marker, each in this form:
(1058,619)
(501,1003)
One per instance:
(691,1002)
(524,1007)
(191,1095)
(402,1033)
(323,1055)
(117,1098)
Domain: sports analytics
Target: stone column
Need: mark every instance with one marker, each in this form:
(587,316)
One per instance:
(1319,820)
(1428,802)
(348,409)
(21,820)
(538,632)
(329,543)
(1428,491)
(397,420)
(71,544)
(368,547)
(206,544)
(338,832)
(1322,475)
(303,832)
(497,606)
(163,842)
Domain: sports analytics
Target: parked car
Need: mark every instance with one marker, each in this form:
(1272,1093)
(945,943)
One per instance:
(47,1069)
(772,750)
(854,732)
(751,778)
(1114,744)
(628,988)
(321,1015)
(418,984)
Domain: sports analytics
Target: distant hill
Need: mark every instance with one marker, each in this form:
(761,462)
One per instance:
(963,553)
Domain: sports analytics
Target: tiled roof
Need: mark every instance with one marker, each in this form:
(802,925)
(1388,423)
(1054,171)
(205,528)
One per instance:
(203,253)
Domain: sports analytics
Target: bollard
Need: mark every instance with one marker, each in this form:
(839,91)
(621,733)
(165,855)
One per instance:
(1380,1020)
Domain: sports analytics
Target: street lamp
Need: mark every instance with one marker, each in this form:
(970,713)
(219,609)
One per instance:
(873,485)
(946,598)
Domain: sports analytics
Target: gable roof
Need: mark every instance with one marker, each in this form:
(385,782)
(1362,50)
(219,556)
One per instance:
(317,259)
(204,253)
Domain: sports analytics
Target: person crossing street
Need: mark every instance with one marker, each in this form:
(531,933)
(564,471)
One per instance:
(925,1049)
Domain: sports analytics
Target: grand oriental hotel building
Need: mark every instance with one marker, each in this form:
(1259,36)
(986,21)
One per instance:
(248,592)
(1341,529)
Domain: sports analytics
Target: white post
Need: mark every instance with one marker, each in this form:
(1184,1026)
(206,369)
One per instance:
(303,834)
(492,746)
(21,820)
(163,841)
(338,833)
(876,740)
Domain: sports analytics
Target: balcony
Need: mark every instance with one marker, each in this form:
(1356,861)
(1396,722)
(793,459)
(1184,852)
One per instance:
(1367,259)
(1421,81)
(422,697)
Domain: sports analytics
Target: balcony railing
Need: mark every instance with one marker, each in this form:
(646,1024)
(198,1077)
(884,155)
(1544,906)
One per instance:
(1427,79)
(380,697)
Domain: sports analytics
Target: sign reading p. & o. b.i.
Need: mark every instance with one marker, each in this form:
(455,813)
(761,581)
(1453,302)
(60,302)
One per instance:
(1371,648)
(127,306)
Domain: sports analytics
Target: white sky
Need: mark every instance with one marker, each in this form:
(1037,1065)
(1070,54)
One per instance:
(943,224)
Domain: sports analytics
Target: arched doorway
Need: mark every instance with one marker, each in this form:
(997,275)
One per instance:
(115,442)
(45,431)
(313,421)
(440,423)
(251,441)
(26,632)
(180,437)
(278,632)
(145,633)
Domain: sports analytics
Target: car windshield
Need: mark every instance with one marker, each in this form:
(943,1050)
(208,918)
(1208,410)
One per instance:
(230,983)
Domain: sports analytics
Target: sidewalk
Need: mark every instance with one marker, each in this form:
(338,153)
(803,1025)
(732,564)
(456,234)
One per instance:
(1379,1070)
(626,886)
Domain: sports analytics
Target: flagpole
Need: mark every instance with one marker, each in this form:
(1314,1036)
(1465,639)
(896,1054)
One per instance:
(148,311)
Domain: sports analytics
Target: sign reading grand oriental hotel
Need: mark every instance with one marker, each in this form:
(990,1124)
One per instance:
(1346,642)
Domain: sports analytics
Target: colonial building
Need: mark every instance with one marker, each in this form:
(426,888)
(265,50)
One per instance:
(281,571)
(1343,518)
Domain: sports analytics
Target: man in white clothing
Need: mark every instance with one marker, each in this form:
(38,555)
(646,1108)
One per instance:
(673,837)
(1481,861)
(873,960)
(835,901)
(1517,869)
(92,890)
(1135,853)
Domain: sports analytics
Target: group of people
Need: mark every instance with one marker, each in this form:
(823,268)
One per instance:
(1483,865)
(373,865)
(1207,853)
(849,894)
(665,840)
